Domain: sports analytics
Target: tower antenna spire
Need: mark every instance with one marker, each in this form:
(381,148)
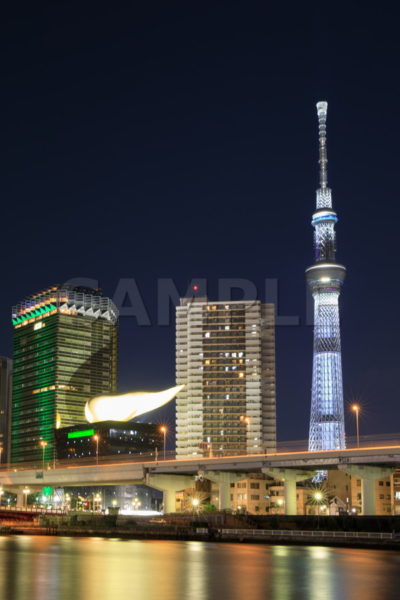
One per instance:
(325,279)
(322,110)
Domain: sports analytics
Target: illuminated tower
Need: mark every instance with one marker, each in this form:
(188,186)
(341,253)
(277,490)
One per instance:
(65,352)
(325,278)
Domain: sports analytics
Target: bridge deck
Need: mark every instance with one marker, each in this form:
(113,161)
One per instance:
(128,469)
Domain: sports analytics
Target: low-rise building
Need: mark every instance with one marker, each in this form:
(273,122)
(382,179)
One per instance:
(108,438)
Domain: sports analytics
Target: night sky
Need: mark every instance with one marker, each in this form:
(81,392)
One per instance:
(179,140)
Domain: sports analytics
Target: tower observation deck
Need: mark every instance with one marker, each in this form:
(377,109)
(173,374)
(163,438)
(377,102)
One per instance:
(325,278)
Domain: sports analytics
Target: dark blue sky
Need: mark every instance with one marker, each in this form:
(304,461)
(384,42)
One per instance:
(167,139)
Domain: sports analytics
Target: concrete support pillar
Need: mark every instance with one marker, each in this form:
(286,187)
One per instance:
(224,480)
(289,487)
(23,493)
(224,495)
(290,477)
(368,496)
(20,499)
(368,476)
(169,485)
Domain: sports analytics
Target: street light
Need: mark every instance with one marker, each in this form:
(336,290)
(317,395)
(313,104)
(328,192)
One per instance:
(356,408)
(195,503)
(164,430)
(318,496)
(96,438)
(136,504)
(43,445)
(97,502)
(209,447)
(245,419)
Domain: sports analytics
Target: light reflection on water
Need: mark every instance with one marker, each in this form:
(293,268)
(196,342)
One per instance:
(61,568)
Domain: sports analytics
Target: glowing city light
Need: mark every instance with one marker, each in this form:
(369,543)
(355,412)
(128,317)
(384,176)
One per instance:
(325,278)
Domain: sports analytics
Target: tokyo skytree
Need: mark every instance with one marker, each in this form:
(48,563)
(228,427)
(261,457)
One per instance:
(325,278)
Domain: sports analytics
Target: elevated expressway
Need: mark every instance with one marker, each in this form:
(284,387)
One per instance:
(171,476)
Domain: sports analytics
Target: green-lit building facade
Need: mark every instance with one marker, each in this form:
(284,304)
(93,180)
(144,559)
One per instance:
(65,352)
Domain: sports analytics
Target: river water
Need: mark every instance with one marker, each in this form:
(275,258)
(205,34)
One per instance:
(62,568)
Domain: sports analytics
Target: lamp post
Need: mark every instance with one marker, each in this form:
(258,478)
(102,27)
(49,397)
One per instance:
(43,445)
(318,497)
(246,420)
(164,430)
(136,504)
(356,409)
(97,502)
(96,438)
(209,447)
(195,503)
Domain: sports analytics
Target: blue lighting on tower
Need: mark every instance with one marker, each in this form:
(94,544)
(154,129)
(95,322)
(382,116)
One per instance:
(325,279)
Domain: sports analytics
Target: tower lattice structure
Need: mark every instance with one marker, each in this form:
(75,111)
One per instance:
(325,278)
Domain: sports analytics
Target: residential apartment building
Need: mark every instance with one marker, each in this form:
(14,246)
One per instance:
(225,356)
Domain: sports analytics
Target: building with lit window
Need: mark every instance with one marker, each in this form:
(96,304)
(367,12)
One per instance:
(65,352)
(225,357)
(5,406)
(108,438)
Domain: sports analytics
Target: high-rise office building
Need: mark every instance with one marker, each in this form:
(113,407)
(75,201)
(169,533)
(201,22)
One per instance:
(325,279)
(225,357)
(65,352)
(5,406)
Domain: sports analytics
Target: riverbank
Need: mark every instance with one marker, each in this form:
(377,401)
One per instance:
(270,537)
(345,531)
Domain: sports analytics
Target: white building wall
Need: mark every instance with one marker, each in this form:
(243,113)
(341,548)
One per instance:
(257,347)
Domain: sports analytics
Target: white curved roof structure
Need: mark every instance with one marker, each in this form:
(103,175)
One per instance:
(125,407)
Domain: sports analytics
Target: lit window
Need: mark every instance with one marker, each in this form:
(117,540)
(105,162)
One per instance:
(38,325)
